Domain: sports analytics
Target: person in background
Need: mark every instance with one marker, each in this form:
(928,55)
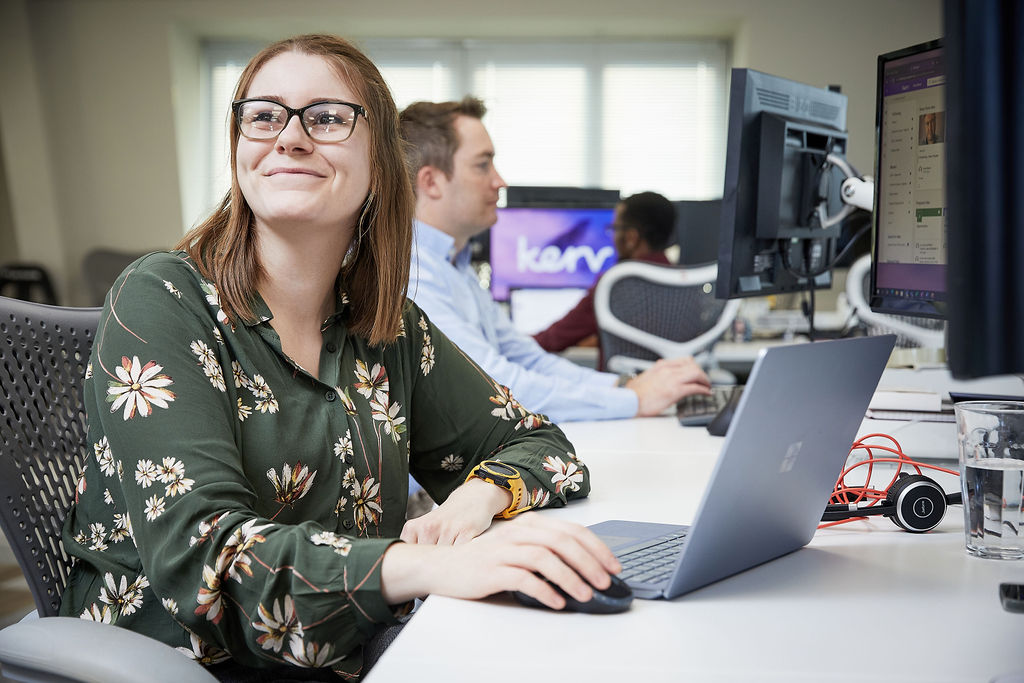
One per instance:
(451,160)
(257,399)
(643,227)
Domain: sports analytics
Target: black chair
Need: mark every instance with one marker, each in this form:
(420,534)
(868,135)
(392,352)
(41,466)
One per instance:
(646,311)
(44,351)
(28,282)
(101,267)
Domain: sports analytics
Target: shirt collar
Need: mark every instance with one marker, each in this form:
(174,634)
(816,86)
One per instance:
(439,244)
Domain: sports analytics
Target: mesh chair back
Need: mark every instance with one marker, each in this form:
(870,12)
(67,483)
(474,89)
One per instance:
(886,323)
(673,312)
(44,351)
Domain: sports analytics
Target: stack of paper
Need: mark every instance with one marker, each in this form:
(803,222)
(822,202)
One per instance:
(910,404)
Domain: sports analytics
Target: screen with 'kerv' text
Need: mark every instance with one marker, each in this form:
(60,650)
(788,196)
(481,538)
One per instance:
(549,247)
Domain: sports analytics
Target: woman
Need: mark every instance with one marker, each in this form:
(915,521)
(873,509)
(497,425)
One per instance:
(258,399)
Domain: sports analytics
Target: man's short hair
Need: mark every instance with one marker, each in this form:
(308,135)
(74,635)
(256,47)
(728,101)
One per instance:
(653,216)
(428,129)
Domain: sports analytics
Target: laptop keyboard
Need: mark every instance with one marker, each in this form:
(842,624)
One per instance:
(654,562)
(699,409)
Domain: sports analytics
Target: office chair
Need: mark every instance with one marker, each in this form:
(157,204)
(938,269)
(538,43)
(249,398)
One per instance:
(647,311)
(28,282)
(44,351)
(912,332)
(101,267)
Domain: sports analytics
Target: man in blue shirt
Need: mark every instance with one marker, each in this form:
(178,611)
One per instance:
(451,159)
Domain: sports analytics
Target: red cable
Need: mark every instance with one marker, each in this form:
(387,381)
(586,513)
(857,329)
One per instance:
(844,494)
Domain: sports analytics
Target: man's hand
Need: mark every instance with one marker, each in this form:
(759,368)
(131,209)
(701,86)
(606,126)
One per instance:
(666,382)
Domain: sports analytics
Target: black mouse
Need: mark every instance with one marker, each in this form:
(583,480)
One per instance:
(615,598)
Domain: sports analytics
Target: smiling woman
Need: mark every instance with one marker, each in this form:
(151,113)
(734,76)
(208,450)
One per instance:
(258,398)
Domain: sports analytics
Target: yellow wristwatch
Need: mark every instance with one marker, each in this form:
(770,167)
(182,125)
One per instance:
(508,478)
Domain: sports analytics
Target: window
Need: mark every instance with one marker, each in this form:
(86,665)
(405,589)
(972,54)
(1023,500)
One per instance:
(624,115)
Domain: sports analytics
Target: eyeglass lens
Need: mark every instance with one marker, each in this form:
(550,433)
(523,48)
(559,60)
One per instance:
(323,121)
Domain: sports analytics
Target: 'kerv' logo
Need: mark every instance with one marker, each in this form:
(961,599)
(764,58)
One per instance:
(551,259)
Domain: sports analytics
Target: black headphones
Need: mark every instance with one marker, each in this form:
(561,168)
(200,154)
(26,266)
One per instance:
(914,502)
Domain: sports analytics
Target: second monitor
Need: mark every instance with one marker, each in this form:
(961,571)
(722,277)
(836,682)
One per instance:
(781,205)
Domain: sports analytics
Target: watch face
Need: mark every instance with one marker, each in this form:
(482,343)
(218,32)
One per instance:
(502,469)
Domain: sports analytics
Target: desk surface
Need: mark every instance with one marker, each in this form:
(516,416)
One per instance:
(862,602)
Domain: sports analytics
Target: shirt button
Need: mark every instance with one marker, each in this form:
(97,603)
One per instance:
(330,396)
(348,524)
(331,347)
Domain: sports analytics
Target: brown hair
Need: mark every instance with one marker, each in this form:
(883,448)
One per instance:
(429,131)
(376,277)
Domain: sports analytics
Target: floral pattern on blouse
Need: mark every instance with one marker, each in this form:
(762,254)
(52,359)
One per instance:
(236,506)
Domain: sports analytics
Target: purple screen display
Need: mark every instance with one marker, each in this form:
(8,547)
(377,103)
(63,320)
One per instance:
(535,247)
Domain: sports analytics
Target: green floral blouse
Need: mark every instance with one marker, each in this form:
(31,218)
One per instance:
(234,506)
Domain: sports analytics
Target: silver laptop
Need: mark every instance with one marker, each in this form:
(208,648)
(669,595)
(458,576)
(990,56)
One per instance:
(785,447)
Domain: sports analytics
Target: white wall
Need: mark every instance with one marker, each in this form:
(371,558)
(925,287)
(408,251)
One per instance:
(128,70)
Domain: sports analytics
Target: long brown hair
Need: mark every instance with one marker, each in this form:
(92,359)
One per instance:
(376,276)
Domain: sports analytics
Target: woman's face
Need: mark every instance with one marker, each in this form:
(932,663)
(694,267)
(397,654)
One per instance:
(292,180)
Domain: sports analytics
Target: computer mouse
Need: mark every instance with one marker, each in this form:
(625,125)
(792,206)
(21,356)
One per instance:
(615,598)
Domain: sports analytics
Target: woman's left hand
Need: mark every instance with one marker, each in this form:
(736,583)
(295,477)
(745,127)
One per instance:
(466,514)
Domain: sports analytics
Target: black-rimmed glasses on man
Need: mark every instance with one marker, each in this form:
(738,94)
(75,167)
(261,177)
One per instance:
(325,121)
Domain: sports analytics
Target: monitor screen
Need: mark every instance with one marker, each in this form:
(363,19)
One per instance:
(697,224)
(535,310)
(780,202)
(549,248)
(909,252)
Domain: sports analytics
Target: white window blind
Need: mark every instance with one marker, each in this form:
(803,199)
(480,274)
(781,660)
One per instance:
(632,116)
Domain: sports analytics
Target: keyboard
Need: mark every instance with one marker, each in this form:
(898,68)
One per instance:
(653,562)
(699,409)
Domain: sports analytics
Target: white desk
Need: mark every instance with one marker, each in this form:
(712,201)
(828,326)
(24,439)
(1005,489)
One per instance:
(863,602)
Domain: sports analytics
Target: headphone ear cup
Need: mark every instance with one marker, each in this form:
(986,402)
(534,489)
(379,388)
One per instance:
(919,503)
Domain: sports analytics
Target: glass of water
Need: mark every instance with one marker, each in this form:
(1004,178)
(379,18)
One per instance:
(990,436)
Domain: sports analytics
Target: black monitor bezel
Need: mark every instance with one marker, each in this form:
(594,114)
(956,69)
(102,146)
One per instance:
(740,244)
(879,302)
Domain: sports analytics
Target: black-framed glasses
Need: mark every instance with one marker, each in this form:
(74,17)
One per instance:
(324,121)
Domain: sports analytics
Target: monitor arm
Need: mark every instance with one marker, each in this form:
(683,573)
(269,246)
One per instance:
(857,192)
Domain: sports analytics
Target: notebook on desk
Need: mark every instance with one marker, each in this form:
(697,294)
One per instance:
(787,442)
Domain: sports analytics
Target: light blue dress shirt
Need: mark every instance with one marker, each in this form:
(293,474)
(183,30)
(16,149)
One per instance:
(443,284)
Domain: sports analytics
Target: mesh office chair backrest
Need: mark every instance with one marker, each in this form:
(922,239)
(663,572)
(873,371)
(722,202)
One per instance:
(910,331)
(44,351)
(672,307)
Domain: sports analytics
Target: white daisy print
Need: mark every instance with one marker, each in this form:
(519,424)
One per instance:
(566,474)
(139,388)
(154,507)
(452,463)
(170,605)
(244,411)
(172,289)
(146,473)
(341,545)
(343,448)
(104,457)
(278,624)
(97,613)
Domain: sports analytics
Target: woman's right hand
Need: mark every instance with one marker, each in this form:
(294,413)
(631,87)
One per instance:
(508,557)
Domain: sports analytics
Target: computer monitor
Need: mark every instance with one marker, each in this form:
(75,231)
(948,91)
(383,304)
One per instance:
(534,310)
(549,247)
(547,196)
(697,227)
(908,267)
(781,206)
